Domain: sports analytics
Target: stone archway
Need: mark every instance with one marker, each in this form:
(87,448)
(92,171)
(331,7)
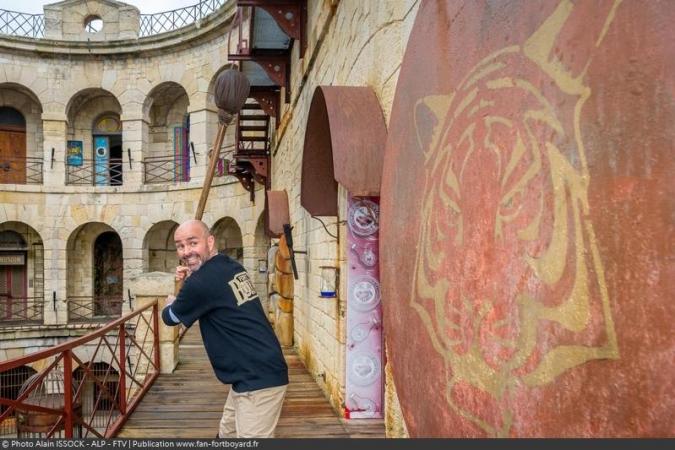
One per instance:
(167,155)
(20,135)
(21,274)
(229,238)
(94,262)
(94,138)
(159,250)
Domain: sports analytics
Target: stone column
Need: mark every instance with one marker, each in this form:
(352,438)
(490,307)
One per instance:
(133,267)
(134,138)
(146,288)
(55,246)
(202,134)
(255,254)
(54,129)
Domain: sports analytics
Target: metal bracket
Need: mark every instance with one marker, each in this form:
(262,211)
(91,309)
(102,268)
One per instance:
(268,99)
(290,15)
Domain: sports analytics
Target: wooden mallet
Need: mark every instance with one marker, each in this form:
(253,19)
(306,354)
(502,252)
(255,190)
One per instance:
(231,91)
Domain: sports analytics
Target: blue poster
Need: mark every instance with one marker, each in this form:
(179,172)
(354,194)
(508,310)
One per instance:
(74,153)
(101,156)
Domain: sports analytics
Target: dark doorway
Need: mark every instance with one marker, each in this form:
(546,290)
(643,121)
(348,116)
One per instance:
(100,394)
(107,140)
(115,160)
(108,160)
(108,272)
(10,385)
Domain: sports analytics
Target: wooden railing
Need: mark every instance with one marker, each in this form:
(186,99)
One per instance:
(83,388)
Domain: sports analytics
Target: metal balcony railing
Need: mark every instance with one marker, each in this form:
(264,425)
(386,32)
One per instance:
(15,23)
(22,24)
(54,393)
(21,310)
(165,169)
(95,173)
(163,22)
(94,309)
(26,170)
(225,160)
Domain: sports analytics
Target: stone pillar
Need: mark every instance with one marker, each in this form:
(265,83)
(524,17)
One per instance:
(146,288)
(55,264)
(54,128)
(134,138)
(133,267)
(200,125)
(255,255)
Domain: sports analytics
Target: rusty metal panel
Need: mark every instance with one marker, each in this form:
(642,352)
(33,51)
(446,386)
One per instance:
(344,142)
(318,188)
(526,226)
(358,136)
(276,210)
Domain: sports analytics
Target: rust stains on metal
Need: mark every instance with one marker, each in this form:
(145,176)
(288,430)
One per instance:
(344,143)
(276,212)
(526,210)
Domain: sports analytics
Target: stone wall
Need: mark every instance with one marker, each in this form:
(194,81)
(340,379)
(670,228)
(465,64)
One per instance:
(66,20)
(68,221)
(351,43)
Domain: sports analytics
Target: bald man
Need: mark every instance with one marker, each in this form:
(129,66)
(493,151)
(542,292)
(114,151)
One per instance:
(241,345)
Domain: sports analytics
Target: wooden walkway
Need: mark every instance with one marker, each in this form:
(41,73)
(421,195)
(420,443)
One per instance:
(189,403)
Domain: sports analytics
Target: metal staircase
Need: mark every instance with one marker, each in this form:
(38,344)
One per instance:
(251,156)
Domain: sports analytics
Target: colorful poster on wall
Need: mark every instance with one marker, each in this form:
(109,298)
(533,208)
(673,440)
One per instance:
(364,311)
(74,155)
(101,158)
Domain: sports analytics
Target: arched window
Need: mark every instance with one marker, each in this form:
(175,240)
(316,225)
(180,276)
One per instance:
(107,124)
(11,240)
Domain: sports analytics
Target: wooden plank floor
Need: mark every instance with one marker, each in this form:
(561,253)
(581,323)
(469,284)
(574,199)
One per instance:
(188,403)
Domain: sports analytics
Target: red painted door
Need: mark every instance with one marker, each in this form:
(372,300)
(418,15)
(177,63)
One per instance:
(12,292)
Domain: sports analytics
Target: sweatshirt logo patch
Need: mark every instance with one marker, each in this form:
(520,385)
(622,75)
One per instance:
(243,288)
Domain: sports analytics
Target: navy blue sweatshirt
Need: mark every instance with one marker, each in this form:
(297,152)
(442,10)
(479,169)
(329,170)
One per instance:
(240,343)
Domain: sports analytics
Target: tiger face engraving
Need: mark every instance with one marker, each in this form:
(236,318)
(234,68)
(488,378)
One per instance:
(508,279)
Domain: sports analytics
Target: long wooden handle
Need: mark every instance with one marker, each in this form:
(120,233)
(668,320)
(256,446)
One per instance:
(177,285)
(213,161)
(208,179)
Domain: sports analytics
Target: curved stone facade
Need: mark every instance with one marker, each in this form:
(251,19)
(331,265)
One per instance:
(141,95)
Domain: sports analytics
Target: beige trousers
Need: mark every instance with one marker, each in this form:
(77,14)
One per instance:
(252,414)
